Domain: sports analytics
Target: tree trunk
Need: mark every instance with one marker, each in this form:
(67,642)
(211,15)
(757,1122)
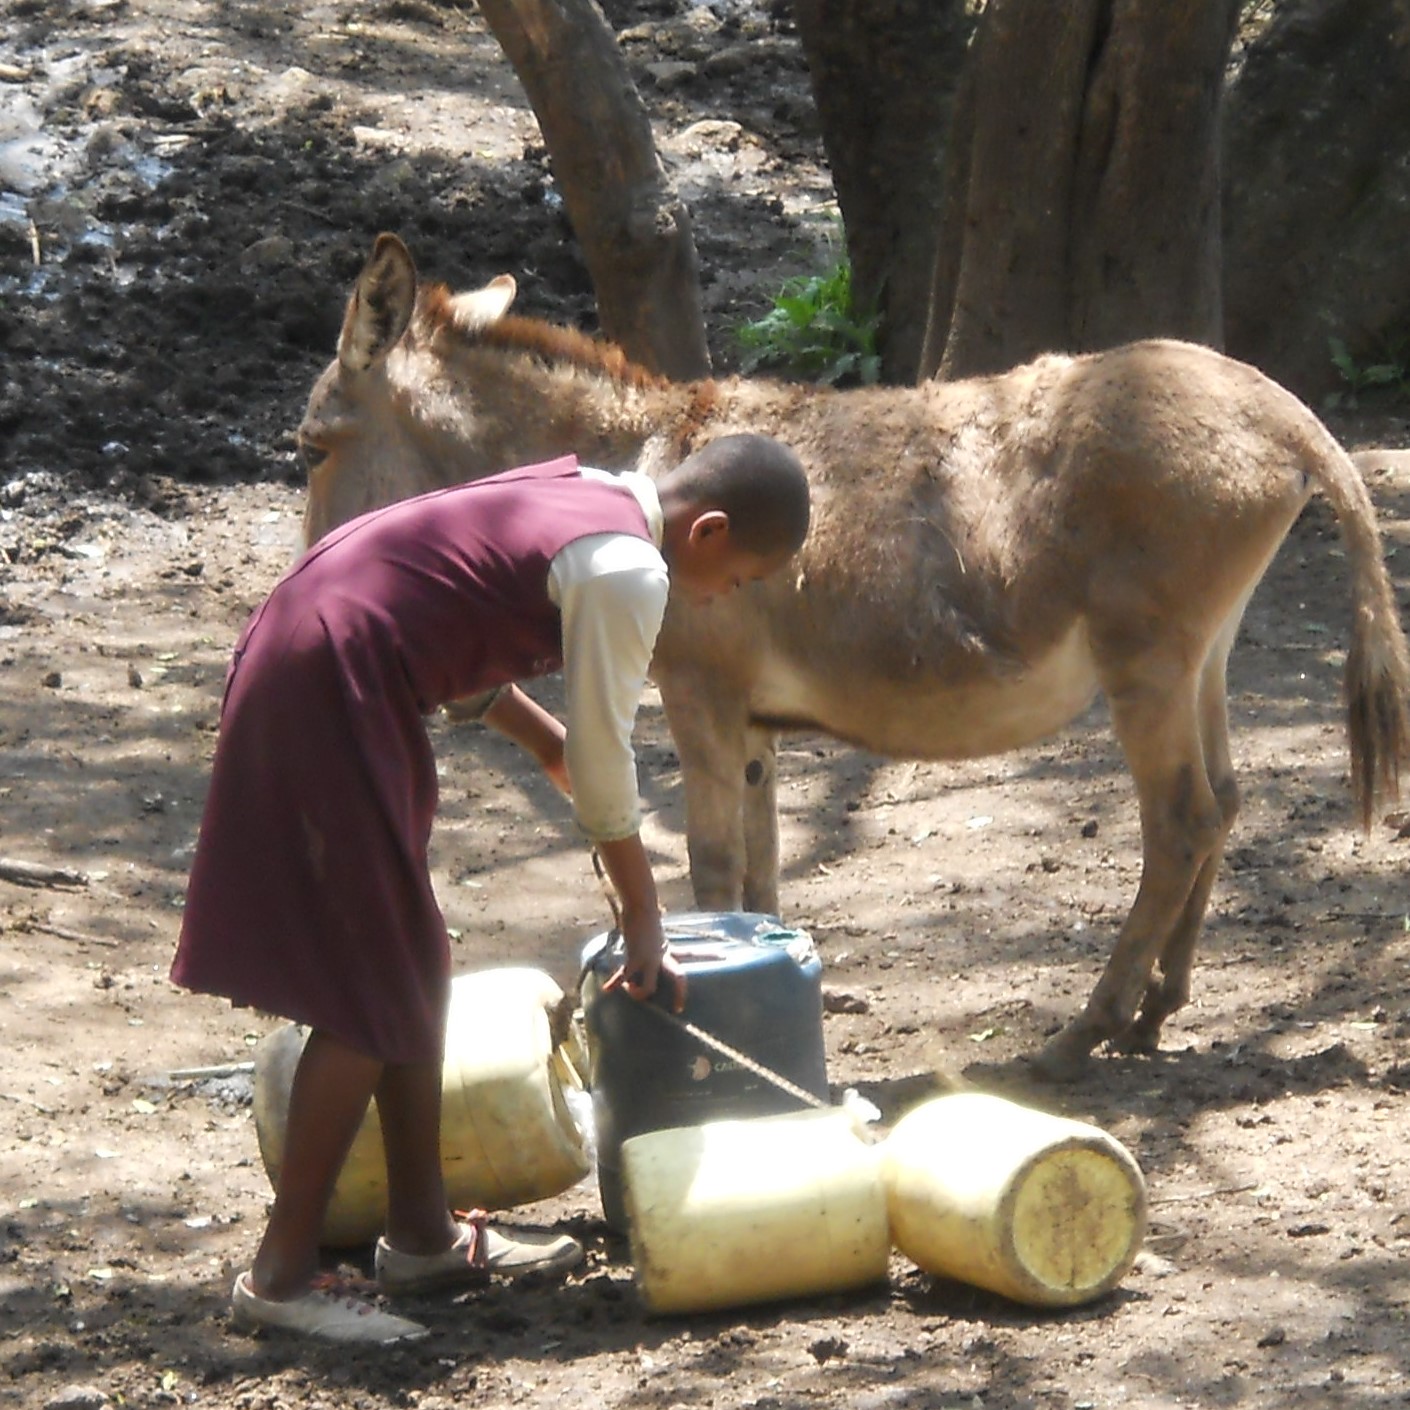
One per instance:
(884,74)
(1318,194)
(1082,190)
(634,231)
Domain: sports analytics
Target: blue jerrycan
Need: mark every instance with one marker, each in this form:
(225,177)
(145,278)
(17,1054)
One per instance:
(751,983)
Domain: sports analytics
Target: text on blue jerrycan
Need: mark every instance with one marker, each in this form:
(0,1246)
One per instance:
(751,983)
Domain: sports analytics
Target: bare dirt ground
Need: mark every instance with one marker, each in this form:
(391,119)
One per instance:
(203,181)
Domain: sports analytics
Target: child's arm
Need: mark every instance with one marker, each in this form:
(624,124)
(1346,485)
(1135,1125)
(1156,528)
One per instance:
(522,719)
(647,958)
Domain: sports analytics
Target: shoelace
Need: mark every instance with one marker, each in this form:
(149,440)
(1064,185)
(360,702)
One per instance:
(477,1254)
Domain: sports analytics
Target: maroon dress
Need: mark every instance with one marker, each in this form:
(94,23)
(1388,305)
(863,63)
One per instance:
(310,892)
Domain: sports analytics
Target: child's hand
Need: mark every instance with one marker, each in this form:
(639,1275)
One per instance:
(642,973)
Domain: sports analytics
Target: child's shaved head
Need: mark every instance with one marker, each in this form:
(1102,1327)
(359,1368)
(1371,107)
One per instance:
(758,482)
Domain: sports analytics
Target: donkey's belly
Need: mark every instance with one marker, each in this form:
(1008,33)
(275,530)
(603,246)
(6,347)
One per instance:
(929,717)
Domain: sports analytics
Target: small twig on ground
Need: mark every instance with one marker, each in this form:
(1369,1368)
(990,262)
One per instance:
(199,1074)
(307,210)
(1206,1194)
(62,932)
(37,874)
(27,1101)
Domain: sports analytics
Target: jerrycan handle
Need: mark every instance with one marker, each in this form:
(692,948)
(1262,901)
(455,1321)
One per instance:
(595,950)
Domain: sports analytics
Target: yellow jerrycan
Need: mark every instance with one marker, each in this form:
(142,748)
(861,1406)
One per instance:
(1040,1208)
(753,1210)
(508,1134)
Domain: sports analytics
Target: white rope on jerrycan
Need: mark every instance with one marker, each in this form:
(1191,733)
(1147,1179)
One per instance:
(863,1112)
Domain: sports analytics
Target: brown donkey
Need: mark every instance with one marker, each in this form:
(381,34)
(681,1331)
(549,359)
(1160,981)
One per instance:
(986,556)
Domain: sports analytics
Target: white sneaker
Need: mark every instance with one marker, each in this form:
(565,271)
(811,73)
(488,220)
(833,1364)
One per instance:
(478,1252)
(331,1310)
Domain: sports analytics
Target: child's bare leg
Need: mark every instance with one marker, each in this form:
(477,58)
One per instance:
(409,1108)
(327,1101)
(425,1247)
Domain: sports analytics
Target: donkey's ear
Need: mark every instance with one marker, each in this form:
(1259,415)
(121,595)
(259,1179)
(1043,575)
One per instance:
(482,307)
(380,306)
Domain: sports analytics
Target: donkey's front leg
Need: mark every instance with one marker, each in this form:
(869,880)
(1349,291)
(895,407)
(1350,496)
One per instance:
(710,728)
(761,821)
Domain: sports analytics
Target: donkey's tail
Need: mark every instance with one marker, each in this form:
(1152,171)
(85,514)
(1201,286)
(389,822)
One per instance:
(1378,663)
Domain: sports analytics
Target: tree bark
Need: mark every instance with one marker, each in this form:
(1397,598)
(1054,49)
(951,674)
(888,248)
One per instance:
(1082,191)
(884,74)
(634,231)
(1317,203)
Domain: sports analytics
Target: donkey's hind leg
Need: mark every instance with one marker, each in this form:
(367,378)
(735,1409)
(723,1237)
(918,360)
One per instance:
(1157,718)
(1170,990)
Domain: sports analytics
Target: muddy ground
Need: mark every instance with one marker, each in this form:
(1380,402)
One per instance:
(185,193)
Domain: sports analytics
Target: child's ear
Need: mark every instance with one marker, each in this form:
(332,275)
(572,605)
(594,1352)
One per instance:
(709,524)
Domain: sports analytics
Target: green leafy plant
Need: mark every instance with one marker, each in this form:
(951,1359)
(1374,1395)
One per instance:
(1391,374)
(813,332)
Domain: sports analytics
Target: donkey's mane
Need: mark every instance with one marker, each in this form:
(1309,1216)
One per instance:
(532,336)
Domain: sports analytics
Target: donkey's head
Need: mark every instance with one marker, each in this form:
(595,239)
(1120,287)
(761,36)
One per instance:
(432,388)
(383,421)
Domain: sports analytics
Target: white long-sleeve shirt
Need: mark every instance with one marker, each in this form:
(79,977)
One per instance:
(611,589)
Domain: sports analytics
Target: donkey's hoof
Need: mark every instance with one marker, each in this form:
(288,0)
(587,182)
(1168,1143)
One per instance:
(1141,1039)
(1064,1058)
